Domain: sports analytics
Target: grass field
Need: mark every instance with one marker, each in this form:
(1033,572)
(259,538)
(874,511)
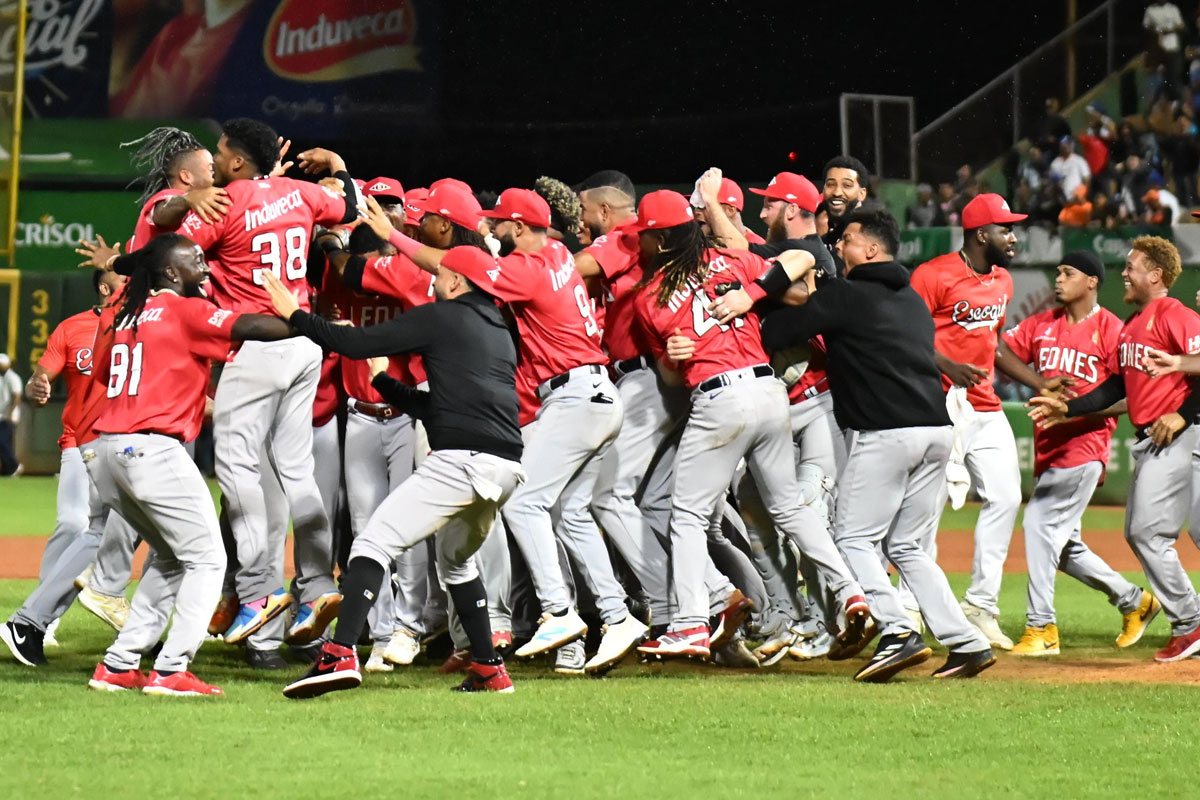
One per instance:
(803,730)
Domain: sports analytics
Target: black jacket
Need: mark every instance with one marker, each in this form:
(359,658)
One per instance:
(879,336)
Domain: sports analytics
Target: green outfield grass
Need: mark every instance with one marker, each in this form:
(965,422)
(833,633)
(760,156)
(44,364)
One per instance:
(681,732)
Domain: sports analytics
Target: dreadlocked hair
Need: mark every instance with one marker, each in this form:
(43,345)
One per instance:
(460,236)
(145,268)
(680,259)
(160,151)
(565,208)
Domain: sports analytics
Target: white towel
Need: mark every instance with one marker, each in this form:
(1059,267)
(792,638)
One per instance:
(958,479)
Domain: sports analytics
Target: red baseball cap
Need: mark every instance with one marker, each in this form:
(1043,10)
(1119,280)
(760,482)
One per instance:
(663,209)
(451,202)
(988,209)
(794,189)
(472,263)
(412,214)
(455,182)
(384,187)
(731,194)
(523,204)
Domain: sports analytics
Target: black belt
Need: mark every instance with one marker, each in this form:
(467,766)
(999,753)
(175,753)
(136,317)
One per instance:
(631,365)
(717,381)
(561,380)
(380,411)
(146,432)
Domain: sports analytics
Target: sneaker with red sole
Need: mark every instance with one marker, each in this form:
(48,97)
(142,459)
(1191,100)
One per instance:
(486,678)
(731,619)
(108,680)
(178,684)
(334,670)
(1179,647)
(457,661)
(673,644)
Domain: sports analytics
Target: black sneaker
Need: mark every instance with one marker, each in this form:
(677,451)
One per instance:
(894,653)
(265,659)
(965,665)
(24,642)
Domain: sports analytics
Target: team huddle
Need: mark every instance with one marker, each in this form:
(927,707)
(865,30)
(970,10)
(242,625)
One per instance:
(713,443)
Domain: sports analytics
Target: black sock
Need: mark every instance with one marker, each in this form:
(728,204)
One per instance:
(470,601)
(360,587)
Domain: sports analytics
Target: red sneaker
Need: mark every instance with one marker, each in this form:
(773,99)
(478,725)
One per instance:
(689,642)
(457,662)
(1180,647)
(502,640)
(106,680)
(485,678)
(178,684)
(336,668)
(731,619)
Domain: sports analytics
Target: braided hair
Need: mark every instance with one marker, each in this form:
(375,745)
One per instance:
(681,259)
(160,152)
(146,268)
(565,208)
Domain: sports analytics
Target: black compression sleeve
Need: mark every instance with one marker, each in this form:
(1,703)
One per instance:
(352,273)
(775,281)
(408,399)
(351,203)
(1191,404)
(1099,398)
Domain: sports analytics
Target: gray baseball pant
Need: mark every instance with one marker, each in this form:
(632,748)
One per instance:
(889,493)
(270,636)
(71,509)
(311,558)
(1053,541)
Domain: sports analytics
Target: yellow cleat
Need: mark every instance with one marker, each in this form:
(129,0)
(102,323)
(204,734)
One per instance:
(1134,624)
(113,610)
(1038,642)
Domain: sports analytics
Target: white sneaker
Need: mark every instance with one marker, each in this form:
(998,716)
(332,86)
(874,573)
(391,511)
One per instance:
(553,632)
(811,647)
(402,648)
(48,639)
(987,625)
(916,618)
(113,610)
(616,643)
(736,655)
(569,659)
(376,663)
(776,647)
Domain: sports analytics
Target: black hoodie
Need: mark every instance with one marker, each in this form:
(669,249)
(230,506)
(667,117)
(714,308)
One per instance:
(879,335)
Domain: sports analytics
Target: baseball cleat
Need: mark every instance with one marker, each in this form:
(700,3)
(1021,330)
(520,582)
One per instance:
(113,610)
(402,648)
(252,616)
(731,618)
(1134,624)
(335,670)
(82,578)
(376,662)
(457,661)
(815,646)
(570,658)
(48,639)
(314,618)
(965,665)
(894,653)
(672,644)
(735,655)
(1179,647)
(24,642)
(554,630)
(841,650)
(502,641)
(987,624)
(1038,642)
(265,659)
(178,684)
(486,678)
(776,647)
(618,639)
(109,680)
(858,628)
(224,615)
(918,621)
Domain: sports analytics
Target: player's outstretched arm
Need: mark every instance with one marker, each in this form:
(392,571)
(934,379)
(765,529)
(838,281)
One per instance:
(965,375)
(98,254)
(260,328)
(37,389)
(210,205)
(1012,366)
(709,188)
(1157,363)
(425,257)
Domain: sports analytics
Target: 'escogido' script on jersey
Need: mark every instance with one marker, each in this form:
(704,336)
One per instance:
(971,317)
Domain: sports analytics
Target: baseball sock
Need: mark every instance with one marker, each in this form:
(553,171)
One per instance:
(470,601)
(360,587)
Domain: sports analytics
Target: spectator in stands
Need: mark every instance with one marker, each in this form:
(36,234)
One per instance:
(1182,150)
(1077,213)
(10,403)
(1135,181)
(1047,204)
(1164,23)
(1022,199)
(1032,168)
(1050,130)
(1105,213)
(946,202)
(925,211)
(1162,208)
(1070,168)
(1100,124)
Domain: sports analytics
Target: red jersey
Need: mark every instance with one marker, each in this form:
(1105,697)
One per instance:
(719,348)
(968,314)
(617,254)
(329,395)
(1164,324)
(752,237)
(557,328)
(398,277)
(69,354)
(1085,351)
(145,229)
(157,376)
(95,392)
(267,227)
(815,379)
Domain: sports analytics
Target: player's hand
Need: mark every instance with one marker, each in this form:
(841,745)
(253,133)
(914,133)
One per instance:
(284,301)
(282,166)
(965,375)
(1157,363)
(1059,386)
(709,187)
(1046,412)
(680,347)
(377,218)
(376,365)
(97,254)
(38,389)
(333,185)
(730,305)
(208,408)
(1163,431)
(318,159)
(208,204)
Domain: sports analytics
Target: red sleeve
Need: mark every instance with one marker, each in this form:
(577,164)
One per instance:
(209,328)
(327,206)
(1183,330)
(54,360)
(205,234)
(515,281)
(925,282)
(614,252)
(750,266)
(398,277)
(1019,339)
(1112,344)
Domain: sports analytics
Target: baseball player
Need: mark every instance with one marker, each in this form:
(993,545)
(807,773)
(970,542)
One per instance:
(1077,340)
(156,366)
(730,201)
(886,388)
(470,412)
(968,292)
(1162,411)
(266,393)
(738,409)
